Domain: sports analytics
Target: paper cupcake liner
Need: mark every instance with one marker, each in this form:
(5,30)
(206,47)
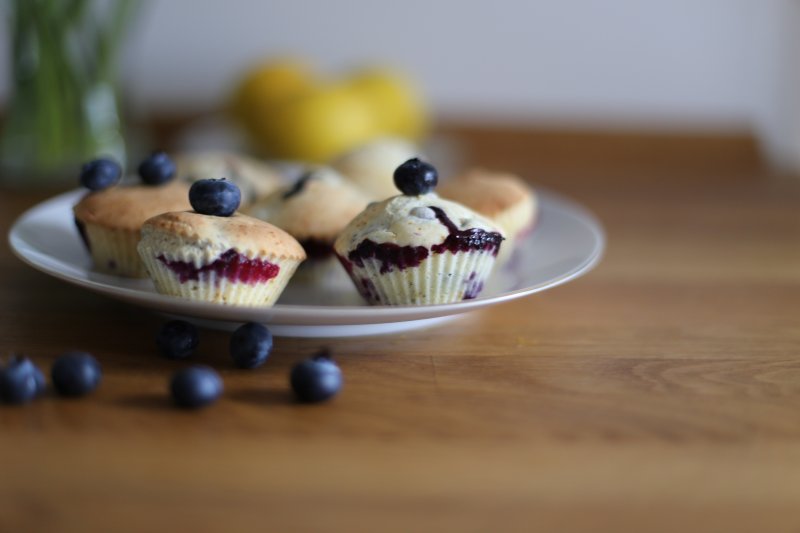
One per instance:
(114,251)
(439,279)
(212,286)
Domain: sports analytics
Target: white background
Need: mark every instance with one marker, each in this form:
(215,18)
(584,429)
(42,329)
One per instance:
(612,63)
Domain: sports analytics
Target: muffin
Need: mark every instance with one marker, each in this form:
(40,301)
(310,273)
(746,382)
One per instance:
(501,197)
(314,210)
(371,167)
(254,178)
(221,257)
(417,248)
(109,222)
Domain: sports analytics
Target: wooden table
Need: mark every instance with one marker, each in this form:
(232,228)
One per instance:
(659,393)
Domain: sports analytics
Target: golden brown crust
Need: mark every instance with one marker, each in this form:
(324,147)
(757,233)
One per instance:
(238,231)
(487,192)
(127,207)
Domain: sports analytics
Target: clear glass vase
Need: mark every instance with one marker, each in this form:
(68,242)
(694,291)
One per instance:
(64,106)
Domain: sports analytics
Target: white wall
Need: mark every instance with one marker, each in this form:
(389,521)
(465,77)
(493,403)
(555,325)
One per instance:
(668,63)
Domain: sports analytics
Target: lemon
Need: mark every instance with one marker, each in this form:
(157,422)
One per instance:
(265,88)
(321,124)
(393,100)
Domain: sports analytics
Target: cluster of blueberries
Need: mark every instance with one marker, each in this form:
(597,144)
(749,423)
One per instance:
(78,373)
(313,380)
(73,374)
(217,197)
(103,173)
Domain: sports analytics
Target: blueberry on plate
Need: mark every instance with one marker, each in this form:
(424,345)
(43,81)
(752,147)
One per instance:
(177,339)
(251,345)
(76,374)
(217,197)
(100,174)
(316,379)
(20,381)
(415,177)
(157,169)
(195,387)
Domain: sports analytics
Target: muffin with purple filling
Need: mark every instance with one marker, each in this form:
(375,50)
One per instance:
(417,248)
(214,254)
(314,210)
(110,217)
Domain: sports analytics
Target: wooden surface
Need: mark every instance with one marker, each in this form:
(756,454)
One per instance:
(659,393)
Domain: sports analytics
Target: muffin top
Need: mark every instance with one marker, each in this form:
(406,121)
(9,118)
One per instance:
(248,235)
(318,206)
(371,167)
(424,220)
(127,207)
(487,192)
(254,178)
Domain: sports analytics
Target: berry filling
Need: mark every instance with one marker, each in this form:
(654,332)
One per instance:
(230,265)
(465,240)
(389,254)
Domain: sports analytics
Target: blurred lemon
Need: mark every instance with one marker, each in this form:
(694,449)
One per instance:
(394,101)
(265,88)
(321,124)
(289,113)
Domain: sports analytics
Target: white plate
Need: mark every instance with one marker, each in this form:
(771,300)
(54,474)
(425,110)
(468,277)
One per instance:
(566,242)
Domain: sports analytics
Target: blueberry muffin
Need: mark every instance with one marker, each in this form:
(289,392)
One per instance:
(213,254)
(314,210)
(109,222)
(417,248)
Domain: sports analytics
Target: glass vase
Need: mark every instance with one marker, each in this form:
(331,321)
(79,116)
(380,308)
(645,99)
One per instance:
(64,107)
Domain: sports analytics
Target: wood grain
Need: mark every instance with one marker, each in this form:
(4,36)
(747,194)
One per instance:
(659,393)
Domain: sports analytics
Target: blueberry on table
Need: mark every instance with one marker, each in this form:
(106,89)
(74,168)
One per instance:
(177,339)
(195,387)
(251,345)
(76,374)
(415,177)
(316,379)
(157,169)
(100,174)
(20,381)
(217,197)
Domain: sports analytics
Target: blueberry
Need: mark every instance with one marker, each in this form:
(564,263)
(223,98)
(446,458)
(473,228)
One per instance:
(100,174)
(76,374)
(157,169)
(316,379)
(220,197)
(195,387)
(177,339)
(251,345)
(20,381)
(415,177)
